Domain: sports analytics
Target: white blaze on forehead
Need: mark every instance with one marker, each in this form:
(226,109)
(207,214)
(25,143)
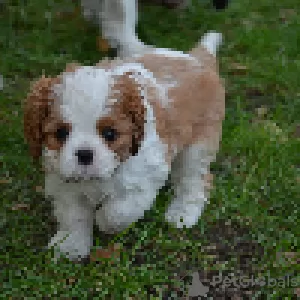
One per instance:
(83,95)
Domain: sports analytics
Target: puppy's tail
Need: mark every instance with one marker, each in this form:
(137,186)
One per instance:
(211,41)
(207,48)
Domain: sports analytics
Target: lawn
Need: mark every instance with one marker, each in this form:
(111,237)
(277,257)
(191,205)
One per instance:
(251,225)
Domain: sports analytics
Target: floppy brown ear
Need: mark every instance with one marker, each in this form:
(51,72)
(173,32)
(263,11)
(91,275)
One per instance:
(35,112)
(133,107)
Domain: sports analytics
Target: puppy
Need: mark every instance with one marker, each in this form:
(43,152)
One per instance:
(111,134)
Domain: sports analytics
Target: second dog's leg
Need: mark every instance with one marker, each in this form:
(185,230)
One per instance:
(119,19)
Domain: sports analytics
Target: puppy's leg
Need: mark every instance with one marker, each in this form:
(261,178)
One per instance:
(189,179)
(117,214)
(119,18)
(134,189)
(75,221)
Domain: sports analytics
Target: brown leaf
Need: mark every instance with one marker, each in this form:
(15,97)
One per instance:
(297,131)
(102,44)
(5,180)
(111,252)
(254,93)
(261,111)
(290,257)
(285,14)
(39,189)
(237,69)
(71,280)
(20,206)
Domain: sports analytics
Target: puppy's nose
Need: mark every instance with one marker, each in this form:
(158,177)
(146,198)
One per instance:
(84,156)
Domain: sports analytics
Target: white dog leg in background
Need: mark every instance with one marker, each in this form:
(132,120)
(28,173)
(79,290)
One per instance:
(117,19)
(188,179)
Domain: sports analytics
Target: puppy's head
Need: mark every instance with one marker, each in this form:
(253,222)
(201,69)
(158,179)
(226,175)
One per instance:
(87,121)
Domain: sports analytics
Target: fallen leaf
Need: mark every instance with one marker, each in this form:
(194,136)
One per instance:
(261,111)
(237,69)
(20,206)
(39,189)
(285,14)
(238,66)
(110,252)
(297,131)
(291,257)
(254,93)
(102,44)
(71,280)
(5,180)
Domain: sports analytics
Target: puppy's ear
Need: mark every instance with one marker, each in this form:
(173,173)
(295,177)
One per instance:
(36,109)
(133,107)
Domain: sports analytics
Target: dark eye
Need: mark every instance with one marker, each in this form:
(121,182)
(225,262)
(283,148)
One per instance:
(109,134)
(62,133)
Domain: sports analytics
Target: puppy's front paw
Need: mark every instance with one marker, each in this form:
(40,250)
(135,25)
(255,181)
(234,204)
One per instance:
(182,215)
(74,245)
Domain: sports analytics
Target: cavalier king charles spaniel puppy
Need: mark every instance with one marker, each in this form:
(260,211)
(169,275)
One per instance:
(111,134)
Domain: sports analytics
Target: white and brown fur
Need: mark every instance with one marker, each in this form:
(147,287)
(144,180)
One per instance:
(167,108)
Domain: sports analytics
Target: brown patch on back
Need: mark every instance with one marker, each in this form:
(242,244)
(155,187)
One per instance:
(198,109)
(127,117)
(197,103)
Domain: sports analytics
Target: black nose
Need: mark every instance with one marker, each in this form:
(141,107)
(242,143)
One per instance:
(84,156)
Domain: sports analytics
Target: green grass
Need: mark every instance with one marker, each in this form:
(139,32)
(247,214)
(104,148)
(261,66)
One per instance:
(252,221)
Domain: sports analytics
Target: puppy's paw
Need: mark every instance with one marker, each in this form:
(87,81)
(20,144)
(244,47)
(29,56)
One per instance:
(73,245)
(182,215)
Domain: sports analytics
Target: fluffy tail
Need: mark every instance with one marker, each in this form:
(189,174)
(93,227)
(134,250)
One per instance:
(211,41)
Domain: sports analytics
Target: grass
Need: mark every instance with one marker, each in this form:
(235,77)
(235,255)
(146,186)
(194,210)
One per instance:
(251,225)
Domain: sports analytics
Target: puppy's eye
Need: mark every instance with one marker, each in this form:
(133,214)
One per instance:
(109,134)
(62,133)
